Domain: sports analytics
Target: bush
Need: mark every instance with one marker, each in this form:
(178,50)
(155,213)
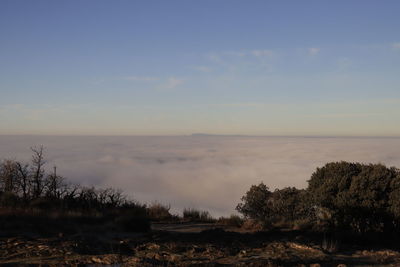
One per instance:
(8,199)
(256,205)
(159,212)
(358,197)
(197,215)
(348,196)
(233,220)
(132,223)
(252,225)
(281,206)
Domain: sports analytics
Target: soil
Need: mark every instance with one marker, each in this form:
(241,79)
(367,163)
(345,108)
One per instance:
(189,244)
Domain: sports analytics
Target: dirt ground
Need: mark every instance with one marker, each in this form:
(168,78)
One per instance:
(190,244)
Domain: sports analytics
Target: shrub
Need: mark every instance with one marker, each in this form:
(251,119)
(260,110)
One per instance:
(256,205)
(252,225)
(132,223)
(8,199)
(233,220)
(341,195)
(159,212)
(197,215)
(131,218)
(359,197)
(281,206)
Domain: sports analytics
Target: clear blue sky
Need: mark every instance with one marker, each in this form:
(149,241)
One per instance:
(178,67)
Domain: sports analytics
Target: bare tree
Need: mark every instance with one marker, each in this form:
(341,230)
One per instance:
(69,194)
(54,184)
(37,171)
(115,197)
(103,196)
(23,179)
(8,176)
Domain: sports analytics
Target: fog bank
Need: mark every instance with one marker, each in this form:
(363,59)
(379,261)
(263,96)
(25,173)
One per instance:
(206,172)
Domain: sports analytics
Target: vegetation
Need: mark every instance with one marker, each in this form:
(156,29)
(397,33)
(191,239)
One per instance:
(160,212)
(233,220)
(353,197)
(268,208)
(360,200)
(344,196)
(34,200)
(358,197)
(27,191)
(197,215)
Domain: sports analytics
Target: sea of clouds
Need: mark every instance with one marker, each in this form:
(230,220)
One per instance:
(205,172)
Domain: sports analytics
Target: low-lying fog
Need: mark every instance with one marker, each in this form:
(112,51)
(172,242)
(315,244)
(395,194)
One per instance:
(205,172)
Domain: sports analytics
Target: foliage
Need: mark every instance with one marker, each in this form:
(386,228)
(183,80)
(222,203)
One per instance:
(160,212)
(359,197)
(341,195)
(27,187)
(233,220)
(197,215)
(268,207)
(256,203)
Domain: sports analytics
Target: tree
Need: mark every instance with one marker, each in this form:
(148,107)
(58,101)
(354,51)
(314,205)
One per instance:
(8,176)
(290,204)
(256,204)
(23,180)
(54,185)
(283,205)
(37,171)
(340,195)
(359,197)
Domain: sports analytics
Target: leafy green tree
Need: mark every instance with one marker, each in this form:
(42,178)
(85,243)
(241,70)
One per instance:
(256,204)
(282,205)
(290,204)
(358,196)
(341,195)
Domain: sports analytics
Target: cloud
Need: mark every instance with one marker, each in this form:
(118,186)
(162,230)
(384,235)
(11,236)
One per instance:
(214,57)
(396,46)
(235,53)
(202,68)
(243,105)
(141,78)
(172,83)
(312,51)
(219,57)
(242,60)
(13,106)
(344,63)
(262,53)
(349,115)
(207,172)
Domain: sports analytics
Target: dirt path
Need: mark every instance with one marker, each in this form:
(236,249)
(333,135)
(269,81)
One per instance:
(187,244)
(186,227)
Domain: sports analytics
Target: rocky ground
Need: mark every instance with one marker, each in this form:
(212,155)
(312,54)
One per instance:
(187,245)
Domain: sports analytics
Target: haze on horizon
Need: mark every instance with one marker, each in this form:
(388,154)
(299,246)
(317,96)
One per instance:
(182,67)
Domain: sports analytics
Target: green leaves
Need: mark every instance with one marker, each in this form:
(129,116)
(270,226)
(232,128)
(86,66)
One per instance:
(357,197)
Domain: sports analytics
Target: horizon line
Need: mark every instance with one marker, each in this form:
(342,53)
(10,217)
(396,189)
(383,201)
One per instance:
(203,135)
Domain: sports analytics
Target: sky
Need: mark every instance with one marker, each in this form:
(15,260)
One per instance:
(181,67)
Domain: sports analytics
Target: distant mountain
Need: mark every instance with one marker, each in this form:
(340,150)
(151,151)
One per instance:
(222,135)
(203,134)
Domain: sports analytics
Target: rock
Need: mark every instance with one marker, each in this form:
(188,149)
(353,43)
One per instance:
(152,246)
(96,260)
(242,253)
(153,255)
(174,257)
